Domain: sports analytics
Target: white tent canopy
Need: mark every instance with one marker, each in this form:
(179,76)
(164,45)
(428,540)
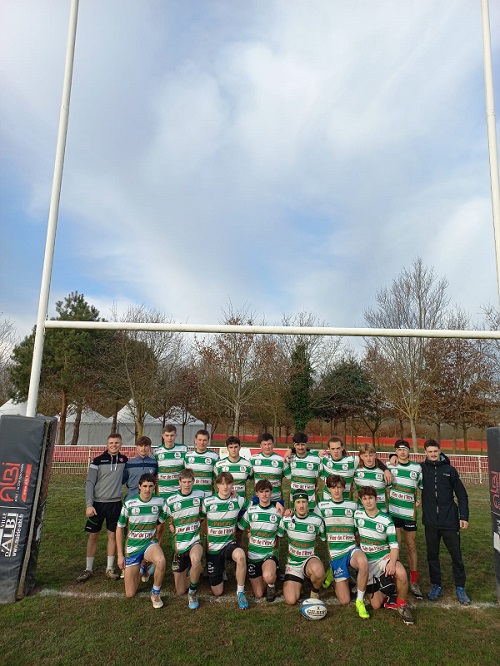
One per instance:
(187,425)
(94,427)
(12,408)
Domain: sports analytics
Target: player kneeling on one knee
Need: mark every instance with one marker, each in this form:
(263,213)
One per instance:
(379,542)
(143,516)
(222,511)
(302,527)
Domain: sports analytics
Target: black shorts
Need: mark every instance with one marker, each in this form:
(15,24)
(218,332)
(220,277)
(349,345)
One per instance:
(405,524)
(255,568)
(184,559)
(216,562)
(109,511)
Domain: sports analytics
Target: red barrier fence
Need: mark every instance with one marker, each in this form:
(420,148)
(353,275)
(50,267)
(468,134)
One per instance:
(76,459)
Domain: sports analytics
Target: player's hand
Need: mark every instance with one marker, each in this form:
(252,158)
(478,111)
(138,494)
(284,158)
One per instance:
(90,511)
(288,513)
(418,503)
(120,561)
(390,569)
(172,528)
(464,524)
(387,477)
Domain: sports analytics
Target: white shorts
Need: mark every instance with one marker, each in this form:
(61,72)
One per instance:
(298,573)
(376,568)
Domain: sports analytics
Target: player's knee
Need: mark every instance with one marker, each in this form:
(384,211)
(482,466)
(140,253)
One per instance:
(239,556)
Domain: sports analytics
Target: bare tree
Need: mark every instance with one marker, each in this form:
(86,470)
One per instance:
(144,362)
(229,364)
(7,343)
(416,300)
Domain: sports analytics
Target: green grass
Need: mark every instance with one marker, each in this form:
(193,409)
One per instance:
(93,629)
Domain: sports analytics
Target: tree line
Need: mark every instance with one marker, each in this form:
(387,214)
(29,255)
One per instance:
(248,383)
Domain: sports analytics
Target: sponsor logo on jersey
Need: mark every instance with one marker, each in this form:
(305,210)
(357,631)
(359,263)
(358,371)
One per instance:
(196,501)
(361,475)
(154,509)
(310,528)
(191,460)
(273,518)
(310,466)
(361,522)
(345,467)
(208,461)
(177,455)
(136,510)
(293,464)
(394,472)
(348,512)
(379,476)
(225,468)
(274,463)
(379,527)
(230,506)
(177,506)
(328,513)
(242,469)
(413,475)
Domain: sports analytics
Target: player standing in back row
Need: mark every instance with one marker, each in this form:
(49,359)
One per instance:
(269,465)
(170,458)
(403,503)
(202,461)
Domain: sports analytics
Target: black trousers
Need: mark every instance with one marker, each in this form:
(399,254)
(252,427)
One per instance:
(451,539)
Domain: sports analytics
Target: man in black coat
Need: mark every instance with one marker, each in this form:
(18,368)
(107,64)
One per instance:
(442,518)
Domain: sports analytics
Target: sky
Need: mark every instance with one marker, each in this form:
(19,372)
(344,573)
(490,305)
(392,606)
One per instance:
(284,156)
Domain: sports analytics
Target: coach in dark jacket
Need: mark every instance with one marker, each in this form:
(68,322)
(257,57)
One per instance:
(442,518)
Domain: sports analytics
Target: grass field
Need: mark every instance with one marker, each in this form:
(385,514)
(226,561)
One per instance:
(67,623)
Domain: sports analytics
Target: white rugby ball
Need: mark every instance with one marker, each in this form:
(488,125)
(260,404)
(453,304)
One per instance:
(313,609)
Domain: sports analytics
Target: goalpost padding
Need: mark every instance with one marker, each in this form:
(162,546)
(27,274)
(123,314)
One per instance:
(493,439)
(26,446)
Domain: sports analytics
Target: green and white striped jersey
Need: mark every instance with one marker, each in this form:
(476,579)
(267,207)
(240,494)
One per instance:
(140,518)
(377,535)
(345,467)
(339,525)
(272,468)
(202,465)
(241,470)
(170,464)
(185,511)
(303,475)
(222,516)
(406,478)
(302,534)
(374,477)
(262,523)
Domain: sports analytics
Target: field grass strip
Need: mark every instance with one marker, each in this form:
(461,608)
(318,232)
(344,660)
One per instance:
(231,598)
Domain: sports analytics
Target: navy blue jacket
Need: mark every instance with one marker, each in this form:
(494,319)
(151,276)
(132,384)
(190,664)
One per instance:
(133,471)
(441,484)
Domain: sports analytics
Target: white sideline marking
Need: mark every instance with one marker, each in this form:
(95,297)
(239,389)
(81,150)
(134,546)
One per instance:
(231,598)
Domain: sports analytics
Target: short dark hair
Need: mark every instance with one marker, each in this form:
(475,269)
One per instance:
(114,435)
(169,428)
(334,480)
(202,432)
(224,476)
(367,490)
(336,438)
(233,440)
(263,484)
(300,438)
(143,441)
(147,478)
(431,442)
(186,473)
(265,437)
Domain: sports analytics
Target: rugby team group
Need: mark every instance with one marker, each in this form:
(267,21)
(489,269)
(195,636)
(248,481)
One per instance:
(203,501)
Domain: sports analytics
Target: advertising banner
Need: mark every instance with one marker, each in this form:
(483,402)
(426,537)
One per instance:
(26,446)
(493,439)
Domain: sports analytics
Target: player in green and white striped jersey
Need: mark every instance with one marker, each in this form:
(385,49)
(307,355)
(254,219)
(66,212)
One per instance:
(269,465)
(336,461)
(369,474)
(302,528)
(303,469)
(338,516)
(170,458)
(222,512)
(184,508)
(403,502)
(262,521)
(142,515)
(202,462)
(379,542)
(240,468)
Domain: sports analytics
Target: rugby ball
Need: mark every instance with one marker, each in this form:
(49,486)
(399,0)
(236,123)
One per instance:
(313,609)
